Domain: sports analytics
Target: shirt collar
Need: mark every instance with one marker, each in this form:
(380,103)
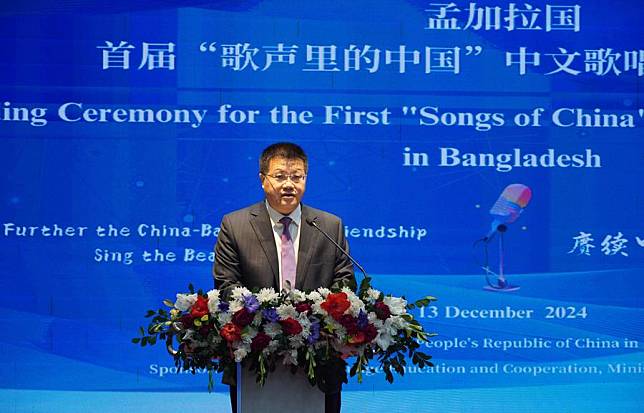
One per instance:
(275,216)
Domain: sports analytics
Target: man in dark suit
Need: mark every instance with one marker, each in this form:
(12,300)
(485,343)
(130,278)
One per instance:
(271,244)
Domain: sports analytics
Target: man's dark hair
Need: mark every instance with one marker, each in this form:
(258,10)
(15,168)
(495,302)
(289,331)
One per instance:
(286,150)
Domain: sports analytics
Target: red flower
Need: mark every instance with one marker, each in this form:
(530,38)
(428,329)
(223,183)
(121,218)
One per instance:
(291,326)
(205,329)
(350,323)
(199,308)
(243,317)
(260,341)
(336,304)
(370,332)
(382,310)
(365,335)
(186,321)
(230,332)
(303,307)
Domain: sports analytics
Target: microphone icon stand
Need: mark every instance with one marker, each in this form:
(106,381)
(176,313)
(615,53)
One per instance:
(501,285)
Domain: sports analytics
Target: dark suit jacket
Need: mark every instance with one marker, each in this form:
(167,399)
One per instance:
(246,254)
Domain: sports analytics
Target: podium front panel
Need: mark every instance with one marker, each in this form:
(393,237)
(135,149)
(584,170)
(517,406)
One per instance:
(283,392)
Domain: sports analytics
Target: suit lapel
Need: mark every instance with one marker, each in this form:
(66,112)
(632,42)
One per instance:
(309,238)
(261,223)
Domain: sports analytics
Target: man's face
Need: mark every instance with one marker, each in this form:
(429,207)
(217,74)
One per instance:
(284,195)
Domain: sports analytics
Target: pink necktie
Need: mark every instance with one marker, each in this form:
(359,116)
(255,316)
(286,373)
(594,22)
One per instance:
(287,255)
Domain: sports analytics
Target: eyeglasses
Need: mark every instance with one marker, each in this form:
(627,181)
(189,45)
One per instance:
(281,178)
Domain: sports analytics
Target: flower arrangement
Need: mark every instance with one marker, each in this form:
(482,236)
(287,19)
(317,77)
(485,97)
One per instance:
(300,329)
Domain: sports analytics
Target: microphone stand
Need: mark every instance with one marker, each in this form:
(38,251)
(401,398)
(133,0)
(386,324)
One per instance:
(366,279)
(502,284)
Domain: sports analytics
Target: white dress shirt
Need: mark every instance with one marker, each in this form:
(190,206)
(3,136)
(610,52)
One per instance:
(278,228)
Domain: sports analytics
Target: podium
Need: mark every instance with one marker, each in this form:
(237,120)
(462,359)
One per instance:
(283,392)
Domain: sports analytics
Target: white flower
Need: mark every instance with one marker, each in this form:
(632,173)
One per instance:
(373,318)
(235,306)
(224,318)
(396,305)
(306,325)
(373,294)
(315,297)
(272,329)
(386,331)
(240,353)
(213,295)
(324,291)
(239,292)
(393,324)
(340,331)
(398,322)
(185,301)
(317,309)
(356,305)
(213,301)
(266,295)
(273,345)
(297,296)
(384,340)
(286,310)
(347,290)
(296,341)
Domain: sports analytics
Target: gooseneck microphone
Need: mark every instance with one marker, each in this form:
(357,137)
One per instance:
(313,223)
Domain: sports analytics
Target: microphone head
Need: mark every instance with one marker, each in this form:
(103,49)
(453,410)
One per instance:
(311,221)
(517,193)
(510,204)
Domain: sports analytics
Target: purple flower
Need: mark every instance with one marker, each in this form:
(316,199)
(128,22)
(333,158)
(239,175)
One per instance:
(223,306)
(363,320)
(251,303)
(314,332)
(270,314)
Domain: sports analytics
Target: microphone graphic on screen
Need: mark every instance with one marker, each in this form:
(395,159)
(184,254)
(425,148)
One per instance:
(508,207)
(505,211)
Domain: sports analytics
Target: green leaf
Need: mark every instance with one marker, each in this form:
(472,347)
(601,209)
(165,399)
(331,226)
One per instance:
(191,288)
(354,369)
(136,340)
(168,303)
(211,382)
(365,284)
(424,302)
(142,331)
(388,375)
